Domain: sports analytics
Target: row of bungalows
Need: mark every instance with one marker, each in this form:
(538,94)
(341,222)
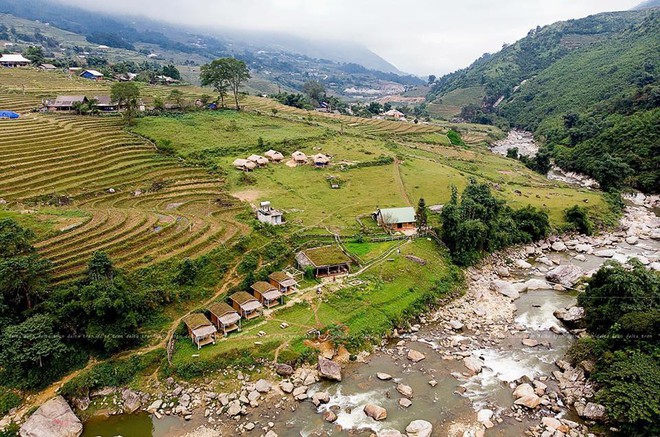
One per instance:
(69,103)
(226,318)
(319,160)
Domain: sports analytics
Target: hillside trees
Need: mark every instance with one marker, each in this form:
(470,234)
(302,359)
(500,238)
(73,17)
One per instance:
(224,75)
(480,223)
(622,313)
(127,96)
(315,90)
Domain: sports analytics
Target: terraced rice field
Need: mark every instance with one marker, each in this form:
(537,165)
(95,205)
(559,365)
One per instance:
(144,207)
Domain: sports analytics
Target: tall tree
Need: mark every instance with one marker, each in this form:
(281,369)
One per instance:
(238,74)
(216,75)
(421,216)
(315,90)
(35,54)
(127,95)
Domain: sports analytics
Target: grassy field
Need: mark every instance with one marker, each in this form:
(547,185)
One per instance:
(450,104)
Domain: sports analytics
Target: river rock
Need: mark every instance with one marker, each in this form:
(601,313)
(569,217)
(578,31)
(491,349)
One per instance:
(405,390)
(580,257)
(584,248)
(566,275)
(234,408)
(131,400)
(545,260)
(284,370)
(571,317)
(321,397)
(154,406)
(531,401)
(633,239)
(522,264)
(551,423)
(505,288)
(300,393)
(419,428)
(271,433)
(329,369)
(405,402)
(383,376)
(523,390)
(485,415)
(262,386)
(329,416)
(375,412)
(594,412)
(473,363)
(536,284)
(502,272)
(456,324)
(530,342)
(558,246)
(286,386)
(53,419)
(605,253)
(415,356)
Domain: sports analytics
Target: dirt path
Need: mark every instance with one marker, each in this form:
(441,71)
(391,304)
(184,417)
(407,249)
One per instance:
(399,182)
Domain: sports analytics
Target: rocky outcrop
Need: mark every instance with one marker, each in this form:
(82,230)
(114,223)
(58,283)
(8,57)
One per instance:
(505,288)
(566,275)
(573,317)
(53,419)
(329,369)
(593,412)
(131,400)
(284,370)
(375,412)
(419,428)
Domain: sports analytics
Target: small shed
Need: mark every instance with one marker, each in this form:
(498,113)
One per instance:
(92,75)
(14,60)
(284,282)
(299,157)
(244,164)
(48,67)
(267,214)
(225,318)
(200,329)
(65,103)
(325,260)
(258,159)
(396,219)
(274,155)
(320,160)
(393,113)
(247,305)
(267,294)
(104,103)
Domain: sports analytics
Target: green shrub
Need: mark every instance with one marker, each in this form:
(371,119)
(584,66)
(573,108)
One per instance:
(578,219)
(8,400)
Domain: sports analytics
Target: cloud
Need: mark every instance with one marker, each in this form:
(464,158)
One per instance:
(418,36)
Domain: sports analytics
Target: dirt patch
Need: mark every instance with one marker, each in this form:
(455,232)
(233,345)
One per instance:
(249,196)
(291,163)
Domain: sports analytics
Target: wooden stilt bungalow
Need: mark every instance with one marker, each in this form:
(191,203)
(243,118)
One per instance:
(200,329)
(247,305)
(267,294)
(325,260)
(284,282)
(225,318)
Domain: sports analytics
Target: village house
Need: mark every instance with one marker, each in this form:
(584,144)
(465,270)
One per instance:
(274,155)
(320,160)
(244,164)
(47,67)
(200,329)
(104,103)
(267,214)
(393,113)
(258,159)
(325,260)
(299,157)
(396,219)
(247,305)
(225,318)
(92,75)
(14,60)
(284,282)
(65,103)
(267,294)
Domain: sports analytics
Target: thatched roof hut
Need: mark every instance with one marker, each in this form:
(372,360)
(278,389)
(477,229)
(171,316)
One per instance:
(274,155)
(200,329)
(258,159)
(247,305)
(225,317)
(244,164)
(299,156)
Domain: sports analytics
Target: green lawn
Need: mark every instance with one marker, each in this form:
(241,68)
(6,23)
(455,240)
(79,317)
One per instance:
(46,222)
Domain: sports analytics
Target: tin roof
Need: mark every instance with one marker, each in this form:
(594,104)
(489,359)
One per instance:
(405,214)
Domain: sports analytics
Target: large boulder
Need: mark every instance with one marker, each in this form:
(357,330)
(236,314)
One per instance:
(405,390)
(262,386)
(505,288)
(536,284)
(375,412)
(558,246)
(594,412)
(284,370)
(131,400)
(415,356)
(572,317)
(329,369)
(474,364)
(566,275)
(531,401)
(53,419)
(419,428)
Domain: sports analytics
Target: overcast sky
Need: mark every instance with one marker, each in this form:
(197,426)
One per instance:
(418,36)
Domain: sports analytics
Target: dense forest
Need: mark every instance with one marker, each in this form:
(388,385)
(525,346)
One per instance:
(589,90)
